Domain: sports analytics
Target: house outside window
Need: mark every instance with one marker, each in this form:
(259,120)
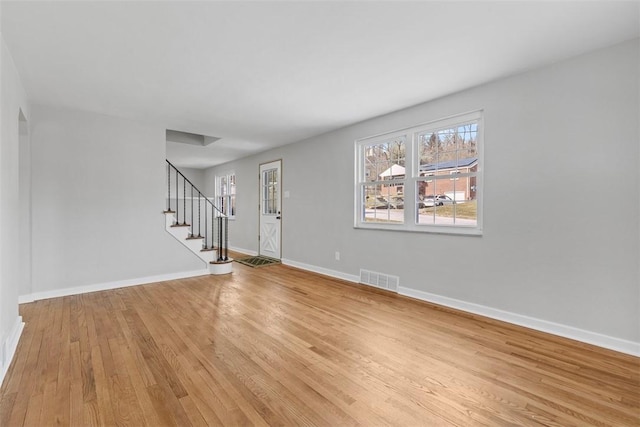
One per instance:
(226,194)
(427,178)
(383,178)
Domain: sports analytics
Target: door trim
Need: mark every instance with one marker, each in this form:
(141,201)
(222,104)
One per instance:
(279,203)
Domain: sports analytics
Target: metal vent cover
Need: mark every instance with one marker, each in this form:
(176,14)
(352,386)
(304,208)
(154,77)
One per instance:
(379,280)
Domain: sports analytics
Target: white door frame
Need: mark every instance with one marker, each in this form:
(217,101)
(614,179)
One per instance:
(270,210)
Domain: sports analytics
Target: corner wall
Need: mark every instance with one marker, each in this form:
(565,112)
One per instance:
(99,190)
(560,248)
(13,99)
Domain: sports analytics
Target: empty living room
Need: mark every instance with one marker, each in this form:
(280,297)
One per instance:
(320,213)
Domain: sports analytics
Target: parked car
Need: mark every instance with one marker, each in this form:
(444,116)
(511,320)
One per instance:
(430,201)
(426,202)
(435,200)
(441,199)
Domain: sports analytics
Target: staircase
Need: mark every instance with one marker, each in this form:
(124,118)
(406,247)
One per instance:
(196,222)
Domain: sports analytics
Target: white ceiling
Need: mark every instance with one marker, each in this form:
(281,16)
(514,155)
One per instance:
(264,74)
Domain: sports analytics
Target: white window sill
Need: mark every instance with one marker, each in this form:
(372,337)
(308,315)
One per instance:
(429,229)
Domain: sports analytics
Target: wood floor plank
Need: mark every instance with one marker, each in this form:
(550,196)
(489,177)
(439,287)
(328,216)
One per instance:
(281,346)
(6,407)
(75,404)
(106,406)
(135,373)
(195,417)
(28,377)
(91,413)
(32,417)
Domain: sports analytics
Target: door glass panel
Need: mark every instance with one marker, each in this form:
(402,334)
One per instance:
(270,192)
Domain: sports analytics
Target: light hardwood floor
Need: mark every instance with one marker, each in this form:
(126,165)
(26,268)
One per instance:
(279,346)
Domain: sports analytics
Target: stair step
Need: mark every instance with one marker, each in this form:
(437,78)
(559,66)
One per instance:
(221,267)
(185,233)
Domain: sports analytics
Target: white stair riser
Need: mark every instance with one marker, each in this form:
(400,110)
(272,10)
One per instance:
(179,232)
(222,268)
(194,245)
(169,220)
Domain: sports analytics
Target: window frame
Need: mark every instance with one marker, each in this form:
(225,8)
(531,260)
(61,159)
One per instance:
(392,182)
(412,177)
(230,213)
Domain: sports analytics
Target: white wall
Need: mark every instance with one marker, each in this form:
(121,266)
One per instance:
(244,227)
(561,208)
(24,185)
(197,178)
(13,99)
(98,192)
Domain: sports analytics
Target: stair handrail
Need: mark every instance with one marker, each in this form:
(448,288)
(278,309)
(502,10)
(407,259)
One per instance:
(223,219)
(196,188)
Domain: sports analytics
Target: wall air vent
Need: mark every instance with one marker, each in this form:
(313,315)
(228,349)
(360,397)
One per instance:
(379,280)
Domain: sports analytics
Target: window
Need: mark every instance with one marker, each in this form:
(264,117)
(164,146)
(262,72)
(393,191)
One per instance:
(383,173)
(426,178)
(226,194)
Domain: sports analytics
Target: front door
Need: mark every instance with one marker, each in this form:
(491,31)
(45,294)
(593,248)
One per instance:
(270,209)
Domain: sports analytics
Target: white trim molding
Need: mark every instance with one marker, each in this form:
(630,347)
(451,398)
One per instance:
(412,178)
(594,338)
(9,346)
(324,271)
(248,252)
(109,285)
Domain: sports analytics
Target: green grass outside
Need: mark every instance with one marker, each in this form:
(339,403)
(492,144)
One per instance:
(467,210)
(390,221)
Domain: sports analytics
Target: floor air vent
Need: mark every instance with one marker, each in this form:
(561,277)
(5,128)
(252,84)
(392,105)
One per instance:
(379,280)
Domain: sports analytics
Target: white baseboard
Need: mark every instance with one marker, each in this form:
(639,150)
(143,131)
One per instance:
(321,270)
(600,340)
(605,341)
(243,251)
(109,285)
(9,346)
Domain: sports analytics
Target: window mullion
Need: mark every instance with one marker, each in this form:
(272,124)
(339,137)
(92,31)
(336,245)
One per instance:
(438,148)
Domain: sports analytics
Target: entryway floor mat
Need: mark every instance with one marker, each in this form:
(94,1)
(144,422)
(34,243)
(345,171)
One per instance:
(258,261)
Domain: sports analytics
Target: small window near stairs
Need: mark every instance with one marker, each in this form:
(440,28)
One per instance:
(226,194)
